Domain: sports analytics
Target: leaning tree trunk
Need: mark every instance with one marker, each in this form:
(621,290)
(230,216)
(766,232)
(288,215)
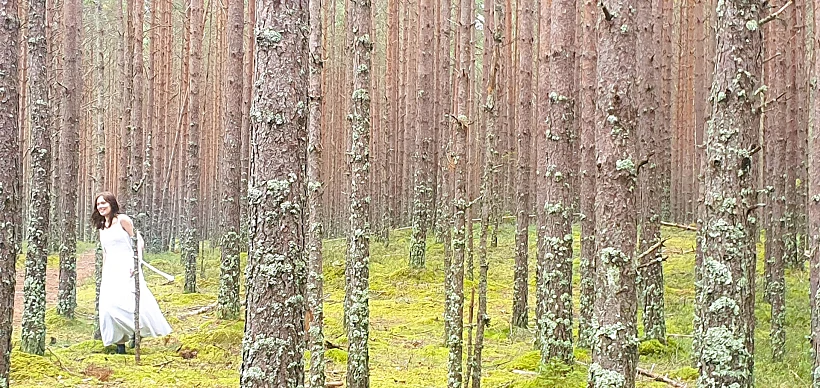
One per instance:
(615,353)
(557,108)
(33,333)
(228,302)
(272,354)
(315,285)
(191,221)
(69,163)
(10,177)
(357,268)
(726,236)
(492,40)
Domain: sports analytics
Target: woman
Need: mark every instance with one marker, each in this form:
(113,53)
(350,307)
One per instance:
(117,285)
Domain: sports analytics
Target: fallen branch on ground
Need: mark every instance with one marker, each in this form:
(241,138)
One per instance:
(198,311)
(661,378)
(674,225)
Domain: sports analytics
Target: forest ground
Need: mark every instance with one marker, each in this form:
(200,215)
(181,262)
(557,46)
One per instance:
(406,341)
(85,270)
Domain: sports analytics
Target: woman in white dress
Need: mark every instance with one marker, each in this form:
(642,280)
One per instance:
(117,285)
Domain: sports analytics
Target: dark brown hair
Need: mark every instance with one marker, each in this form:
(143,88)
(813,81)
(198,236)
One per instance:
(97,220)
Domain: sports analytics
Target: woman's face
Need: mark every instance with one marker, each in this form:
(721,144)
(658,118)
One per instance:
(103,207)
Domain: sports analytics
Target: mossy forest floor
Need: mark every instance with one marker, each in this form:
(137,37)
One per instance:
(406,345)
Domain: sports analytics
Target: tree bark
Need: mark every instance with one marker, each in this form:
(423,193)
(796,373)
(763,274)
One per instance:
(272,354)
(425,122)
(776,136)
(315,285)
(650,122)
(10,177)
(357,269)
(69,163)
(557,113)
(522,177)
(454,282)
(33,333)
(191,220)
(813,206)
(725,326)
(586,103)
(615,353)
(494,14)
(228,301)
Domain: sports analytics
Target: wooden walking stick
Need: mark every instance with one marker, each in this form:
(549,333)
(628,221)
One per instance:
(136,275)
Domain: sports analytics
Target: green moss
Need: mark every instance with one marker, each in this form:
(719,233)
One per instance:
(686,373)
(26,367)
(528,361)
(337,355)
(653,347)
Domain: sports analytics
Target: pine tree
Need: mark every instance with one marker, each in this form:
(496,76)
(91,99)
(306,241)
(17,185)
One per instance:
(315,285)
(33,333)
(228,301)
(272,354)
(614,350)
(69,163)
(10,177)
(425,123)
(725,323)
(357,268)
(191,220)
(557,106)
(586,110)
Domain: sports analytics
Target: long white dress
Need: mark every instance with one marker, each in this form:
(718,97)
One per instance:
(117,291)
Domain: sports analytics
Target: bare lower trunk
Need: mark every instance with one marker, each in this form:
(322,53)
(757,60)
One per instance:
(10,177)
(586,102)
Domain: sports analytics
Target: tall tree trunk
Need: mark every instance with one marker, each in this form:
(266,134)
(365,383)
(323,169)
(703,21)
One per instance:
(33,333)
(10,177)
(615,353)
(69,164)
(494,15)
(725,328)
(557,113)
(813,206)
(586,103)
(228,302)
(357,269)
(272,354)
(522,175)
(425,122)
(99,146)
(650,122)
(315,187)
(454,282)
(776,135)
(191,219)
(444,97)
